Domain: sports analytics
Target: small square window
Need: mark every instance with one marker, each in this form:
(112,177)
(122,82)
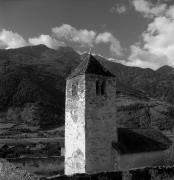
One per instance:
(74,88)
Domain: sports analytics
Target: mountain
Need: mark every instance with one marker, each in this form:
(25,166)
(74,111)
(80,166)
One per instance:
(32,86)
(32,90)
(156,84)
(165,70)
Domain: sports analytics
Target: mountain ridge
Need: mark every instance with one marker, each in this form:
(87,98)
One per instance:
(32,86)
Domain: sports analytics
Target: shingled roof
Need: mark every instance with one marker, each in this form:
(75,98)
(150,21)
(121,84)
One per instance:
(90,65)
(140,140)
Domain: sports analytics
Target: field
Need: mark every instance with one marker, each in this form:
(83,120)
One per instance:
(42,166)
(26,141)
(38,155)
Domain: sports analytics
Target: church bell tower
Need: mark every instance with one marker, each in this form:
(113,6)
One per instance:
(90,119)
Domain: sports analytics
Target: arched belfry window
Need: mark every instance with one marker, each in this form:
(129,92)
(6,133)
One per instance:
(103,88)
(100,87)
(97,87)
(74,88)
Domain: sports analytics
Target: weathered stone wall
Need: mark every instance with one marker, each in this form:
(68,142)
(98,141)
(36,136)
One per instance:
(100,126)
(75,127)
(90,126)
(140,160)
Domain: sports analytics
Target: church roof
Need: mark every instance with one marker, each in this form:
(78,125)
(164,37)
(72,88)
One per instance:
(140,140)
(90,65)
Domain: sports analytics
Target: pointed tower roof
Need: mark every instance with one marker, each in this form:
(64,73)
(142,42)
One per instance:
(90,65)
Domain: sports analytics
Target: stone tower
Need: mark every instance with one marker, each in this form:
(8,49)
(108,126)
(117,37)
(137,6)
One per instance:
(90,119)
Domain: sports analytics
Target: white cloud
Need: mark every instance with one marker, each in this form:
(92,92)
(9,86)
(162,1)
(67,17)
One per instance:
(115,46)
(157,46)
(159,34)
(9,39)
(148,9)
(143,58)
(67,32)
(158,39)
(62,36)
(46,40)
(120,9)
(87,38)
(170,12)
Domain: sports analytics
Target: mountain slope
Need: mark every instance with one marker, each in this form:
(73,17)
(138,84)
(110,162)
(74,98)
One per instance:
(34,77)
(32,89)
(157,84)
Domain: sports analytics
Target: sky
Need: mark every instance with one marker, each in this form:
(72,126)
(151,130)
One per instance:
(132,32)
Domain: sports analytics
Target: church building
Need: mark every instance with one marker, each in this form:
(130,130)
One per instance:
(93,141)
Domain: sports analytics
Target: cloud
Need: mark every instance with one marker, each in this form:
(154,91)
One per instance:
(119,9)
(46,40)
(158,39)
(170,12)
(87,38)
(64,35)
(157,46)
(115,46)
(148,9)
(9,39)
(143,58)
(67,32)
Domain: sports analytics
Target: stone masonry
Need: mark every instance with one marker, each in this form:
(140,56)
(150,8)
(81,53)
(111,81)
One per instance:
(90,126)
(75,127)
(100,129)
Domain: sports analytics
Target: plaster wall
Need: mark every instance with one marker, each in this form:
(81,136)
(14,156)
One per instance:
(75,127)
